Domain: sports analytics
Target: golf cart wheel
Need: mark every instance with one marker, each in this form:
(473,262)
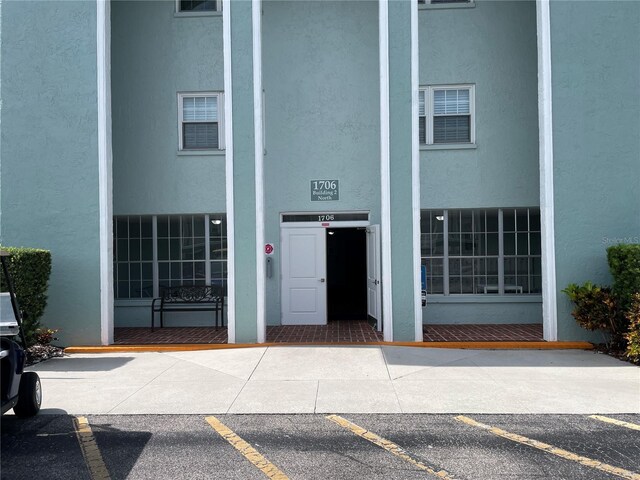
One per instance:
(29,395)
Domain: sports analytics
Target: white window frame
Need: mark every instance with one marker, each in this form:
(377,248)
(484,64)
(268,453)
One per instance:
(181,97)
(208,217)
(499,289)
(198,13)
(429,109)
(449,4)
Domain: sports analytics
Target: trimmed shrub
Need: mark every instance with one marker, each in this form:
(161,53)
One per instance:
(633,337)
(30,269)
(624,264)
(596,308)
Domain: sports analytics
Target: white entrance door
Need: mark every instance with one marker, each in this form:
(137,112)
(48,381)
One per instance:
(304,273)
(374,286)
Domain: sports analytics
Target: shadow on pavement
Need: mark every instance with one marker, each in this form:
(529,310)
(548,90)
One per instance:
(46,446)
(74,364)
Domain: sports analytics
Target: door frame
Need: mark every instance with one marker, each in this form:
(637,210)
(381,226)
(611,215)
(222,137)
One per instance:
(319,224)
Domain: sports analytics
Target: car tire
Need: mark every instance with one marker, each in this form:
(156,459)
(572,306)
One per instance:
(29,395)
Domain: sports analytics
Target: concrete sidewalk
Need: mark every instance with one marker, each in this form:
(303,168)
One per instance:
(340,379)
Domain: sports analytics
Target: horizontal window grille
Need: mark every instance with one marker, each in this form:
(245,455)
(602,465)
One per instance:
(488,251)
(133,257)
(189,250)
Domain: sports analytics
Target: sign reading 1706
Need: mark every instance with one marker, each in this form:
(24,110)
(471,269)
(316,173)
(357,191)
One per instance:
(325,190)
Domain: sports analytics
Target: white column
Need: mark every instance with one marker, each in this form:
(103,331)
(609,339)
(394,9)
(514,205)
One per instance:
(385,193)
(105,193)
(228,142)
(259,168)
(545,128)
(415,170)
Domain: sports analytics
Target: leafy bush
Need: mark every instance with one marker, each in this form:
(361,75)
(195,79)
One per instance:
(29,269)
(633,337)
(596,308)
(44,336)
(624,264)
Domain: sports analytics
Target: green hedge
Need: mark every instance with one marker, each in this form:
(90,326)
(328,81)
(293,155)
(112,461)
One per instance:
(633,337)
(624,264)
(30,269)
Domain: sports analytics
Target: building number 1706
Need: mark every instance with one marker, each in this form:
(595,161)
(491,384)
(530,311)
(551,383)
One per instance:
(324,184)
(326,218)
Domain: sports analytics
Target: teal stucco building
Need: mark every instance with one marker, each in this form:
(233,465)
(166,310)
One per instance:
(485,151)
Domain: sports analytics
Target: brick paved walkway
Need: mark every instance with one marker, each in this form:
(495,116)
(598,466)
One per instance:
(336,331)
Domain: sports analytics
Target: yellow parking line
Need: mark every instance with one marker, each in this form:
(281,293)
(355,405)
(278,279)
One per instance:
(388,446)
(588,462)
(90,451)
(620,423)
(250,453)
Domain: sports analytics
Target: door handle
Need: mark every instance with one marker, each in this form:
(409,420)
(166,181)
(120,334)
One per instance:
(322,280)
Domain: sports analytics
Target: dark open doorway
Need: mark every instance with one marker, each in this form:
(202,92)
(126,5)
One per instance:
(346,274)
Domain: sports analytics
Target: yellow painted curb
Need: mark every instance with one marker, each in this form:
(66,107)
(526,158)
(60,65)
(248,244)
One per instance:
(178,347)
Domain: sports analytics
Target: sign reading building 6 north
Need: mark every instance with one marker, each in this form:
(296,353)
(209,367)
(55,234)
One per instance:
(325,190)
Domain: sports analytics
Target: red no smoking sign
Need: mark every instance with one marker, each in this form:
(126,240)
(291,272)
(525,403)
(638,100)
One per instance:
(268,248)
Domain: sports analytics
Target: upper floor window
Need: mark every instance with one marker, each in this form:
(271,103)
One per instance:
(441,2)
(446,115)
(200,121)
(198,5)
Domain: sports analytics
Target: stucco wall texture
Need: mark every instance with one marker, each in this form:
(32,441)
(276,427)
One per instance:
(154,55)
(492,46)
(49,154)
(595,48)
(322,113)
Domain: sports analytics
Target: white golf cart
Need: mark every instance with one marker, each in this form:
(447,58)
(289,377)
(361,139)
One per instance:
(19,390)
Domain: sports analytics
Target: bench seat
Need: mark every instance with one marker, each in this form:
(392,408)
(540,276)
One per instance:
(190,298)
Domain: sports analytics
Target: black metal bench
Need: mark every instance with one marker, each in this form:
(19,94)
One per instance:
(190,298)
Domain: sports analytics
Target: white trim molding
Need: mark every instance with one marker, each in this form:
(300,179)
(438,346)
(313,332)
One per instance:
(261,283)
(385,179)
(545,131)
(228,132)
(105,180)
(415,173)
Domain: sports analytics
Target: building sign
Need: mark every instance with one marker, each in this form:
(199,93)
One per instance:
(325,217)
(325,190)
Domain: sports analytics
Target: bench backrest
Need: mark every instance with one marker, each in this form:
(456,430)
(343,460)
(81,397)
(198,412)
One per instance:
(193,294)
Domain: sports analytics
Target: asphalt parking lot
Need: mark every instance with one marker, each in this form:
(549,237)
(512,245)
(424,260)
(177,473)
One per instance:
(349,446)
